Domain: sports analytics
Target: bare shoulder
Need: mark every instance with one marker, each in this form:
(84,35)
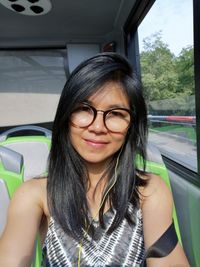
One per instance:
(157,208)
(23,221)
(34,187)
(31,192)
(155,193)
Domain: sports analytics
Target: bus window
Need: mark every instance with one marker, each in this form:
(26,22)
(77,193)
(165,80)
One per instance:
(31,82)
(167,62)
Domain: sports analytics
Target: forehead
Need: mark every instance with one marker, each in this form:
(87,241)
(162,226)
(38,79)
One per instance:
(110,94)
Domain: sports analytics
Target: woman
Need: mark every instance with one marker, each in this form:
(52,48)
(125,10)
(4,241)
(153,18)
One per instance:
(95,208)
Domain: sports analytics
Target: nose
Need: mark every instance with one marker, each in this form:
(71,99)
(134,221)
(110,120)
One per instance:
(98,125)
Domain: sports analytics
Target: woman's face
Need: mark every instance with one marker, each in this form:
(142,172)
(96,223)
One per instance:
(95,143)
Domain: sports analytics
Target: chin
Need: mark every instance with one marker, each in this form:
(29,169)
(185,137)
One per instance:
(96,160)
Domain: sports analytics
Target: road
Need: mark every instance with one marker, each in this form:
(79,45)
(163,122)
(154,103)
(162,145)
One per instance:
(176,147)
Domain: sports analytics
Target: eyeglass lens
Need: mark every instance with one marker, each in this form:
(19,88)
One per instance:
(116,120)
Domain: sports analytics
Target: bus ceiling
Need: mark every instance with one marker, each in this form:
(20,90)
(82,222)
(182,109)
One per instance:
(47,23)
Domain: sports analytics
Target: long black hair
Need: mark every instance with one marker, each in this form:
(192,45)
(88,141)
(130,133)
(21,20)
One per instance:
(68,177)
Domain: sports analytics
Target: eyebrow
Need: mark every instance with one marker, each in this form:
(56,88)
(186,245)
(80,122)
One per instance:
(109,107)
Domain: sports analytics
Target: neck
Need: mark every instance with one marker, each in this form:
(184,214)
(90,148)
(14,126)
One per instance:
(96,187)
(96,170)
(96,177)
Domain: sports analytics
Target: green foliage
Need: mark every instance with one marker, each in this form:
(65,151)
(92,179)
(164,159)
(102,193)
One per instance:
(164,75)
(185,70)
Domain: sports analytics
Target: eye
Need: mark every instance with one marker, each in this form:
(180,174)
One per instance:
(117,113)
(83,108)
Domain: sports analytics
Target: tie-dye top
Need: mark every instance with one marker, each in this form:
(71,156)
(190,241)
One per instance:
(124,247)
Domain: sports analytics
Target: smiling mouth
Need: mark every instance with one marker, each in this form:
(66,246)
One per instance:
(96,143)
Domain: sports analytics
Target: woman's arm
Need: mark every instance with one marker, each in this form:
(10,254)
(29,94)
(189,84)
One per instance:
(24,215)
(157,210)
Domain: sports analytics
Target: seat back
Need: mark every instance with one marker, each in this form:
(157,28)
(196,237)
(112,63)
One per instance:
(11,173)
(33,148)
(4,202)
(21,158)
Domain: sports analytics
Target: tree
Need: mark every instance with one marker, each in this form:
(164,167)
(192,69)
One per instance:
(185,69)
(168,81)
(158,69)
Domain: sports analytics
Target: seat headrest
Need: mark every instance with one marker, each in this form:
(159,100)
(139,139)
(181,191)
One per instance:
(11,160)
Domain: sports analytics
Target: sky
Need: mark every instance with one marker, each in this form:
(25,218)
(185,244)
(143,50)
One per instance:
(174,18)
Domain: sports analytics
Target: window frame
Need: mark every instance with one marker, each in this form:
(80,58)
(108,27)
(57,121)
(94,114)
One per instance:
(136,16)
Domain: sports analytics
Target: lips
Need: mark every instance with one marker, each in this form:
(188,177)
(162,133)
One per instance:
(96,143)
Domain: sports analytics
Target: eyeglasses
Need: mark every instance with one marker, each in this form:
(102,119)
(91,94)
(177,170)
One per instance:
(115,120)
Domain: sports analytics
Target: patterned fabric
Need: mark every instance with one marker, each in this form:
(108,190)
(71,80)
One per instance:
(124,247)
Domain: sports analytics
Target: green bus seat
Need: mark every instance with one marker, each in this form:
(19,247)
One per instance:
(35,148)
(22,158)
(4,202)
(11,173)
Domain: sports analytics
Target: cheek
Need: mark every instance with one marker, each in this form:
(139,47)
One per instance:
(74,137)
(119,137)
(118,141)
